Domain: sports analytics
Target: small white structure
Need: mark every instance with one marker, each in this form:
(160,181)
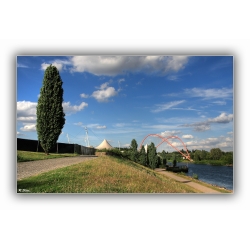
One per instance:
(104,145)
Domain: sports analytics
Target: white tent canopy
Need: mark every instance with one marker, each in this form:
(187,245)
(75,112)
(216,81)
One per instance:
(104,144)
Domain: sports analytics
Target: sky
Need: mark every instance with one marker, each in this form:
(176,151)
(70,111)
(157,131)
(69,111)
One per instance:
(120,98)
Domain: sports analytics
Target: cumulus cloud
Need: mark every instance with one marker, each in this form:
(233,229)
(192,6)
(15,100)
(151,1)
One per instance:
(170,133)
(69,109)
(187,137)
(222,118)
(114,65)
(166,106)
(26,111)
(205,125)
(29,127)
(104,93)
(224,143)
(26,114)
(59,64)
(84,95)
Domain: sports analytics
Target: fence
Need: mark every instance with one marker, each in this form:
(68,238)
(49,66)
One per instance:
(34,146)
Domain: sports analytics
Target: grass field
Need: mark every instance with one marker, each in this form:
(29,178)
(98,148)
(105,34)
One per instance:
(104,174)
(34,156)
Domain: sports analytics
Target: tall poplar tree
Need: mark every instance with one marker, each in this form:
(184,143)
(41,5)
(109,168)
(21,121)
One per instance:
(143,156)
(50,115)
(133,150)
(152,156)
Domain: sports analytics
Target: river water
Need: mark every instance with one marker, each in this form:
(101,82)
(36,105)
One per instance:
(217,175)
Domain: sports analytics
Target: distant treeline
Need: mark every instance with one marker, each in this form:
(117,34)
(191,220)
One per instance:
(153,159)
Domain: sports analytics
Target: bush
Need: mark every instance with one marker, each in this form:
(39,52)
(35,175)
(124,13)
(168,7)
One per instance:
(195,176)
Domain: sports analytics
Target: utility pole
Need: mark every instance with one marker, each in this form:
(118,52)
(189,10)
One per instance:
(68,138)
(87,136)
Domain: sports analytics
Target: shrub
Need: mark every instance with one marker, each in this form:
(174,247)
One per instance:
(195,176)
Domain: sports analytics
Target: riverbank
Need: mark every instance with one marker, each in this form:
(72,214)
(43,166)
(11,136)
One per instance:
(203,187)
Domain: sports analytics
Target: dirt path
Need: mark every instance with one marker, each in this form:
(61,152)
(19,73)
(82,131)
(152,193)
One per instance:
(192,184)
(30,168)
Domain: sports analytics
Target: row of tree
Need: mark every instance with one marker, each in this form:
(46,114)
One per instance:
(147,158)
(215,154)
(153,159)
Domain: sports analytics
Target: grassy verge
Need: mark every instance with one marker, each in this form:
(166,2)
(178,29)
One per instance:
(104,174)
(34,156)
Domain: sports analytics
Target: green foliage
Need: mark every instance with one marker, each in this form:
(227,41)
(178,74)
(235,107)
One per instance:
(50,115)
(143,156)
(195,176)
(197,155)
(133,151)
(215,153)
(163,158)
(174,160)
(152,156)
(214,157)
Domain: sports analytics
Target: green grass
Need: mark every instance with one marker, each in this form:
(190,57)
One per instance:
(34,156)
(104,174)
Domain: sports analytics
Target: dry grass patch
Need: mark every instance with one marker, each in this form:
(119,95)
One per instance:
(104,174)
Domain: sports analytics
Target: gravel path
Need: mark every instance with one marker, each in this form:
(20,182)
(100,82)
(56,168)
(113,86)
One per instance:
(30,168)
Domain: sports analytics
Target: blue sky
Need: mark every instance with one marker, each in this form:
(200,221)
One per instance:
(120,98)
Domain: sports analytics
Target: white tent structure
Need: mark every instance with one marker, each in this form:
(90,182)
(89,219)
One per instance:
(104,145)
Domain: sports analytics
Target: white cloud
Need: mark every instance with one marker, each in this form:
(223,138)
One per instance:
(220,102)
(187,137)
(19,65)
(20,134)
(78,124)
(29,128)
(201,127)
(170,133)
(222,118)
(84,95)
(205,125)
(114,65)
(166,106)
(120,125)
(69,109)
(104,85)
(96,126)
(59,64)
(101,127)
(121,80)
(26,111)
(210,93)
(159,126)
(225,144)
(104,93)
(173,78)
